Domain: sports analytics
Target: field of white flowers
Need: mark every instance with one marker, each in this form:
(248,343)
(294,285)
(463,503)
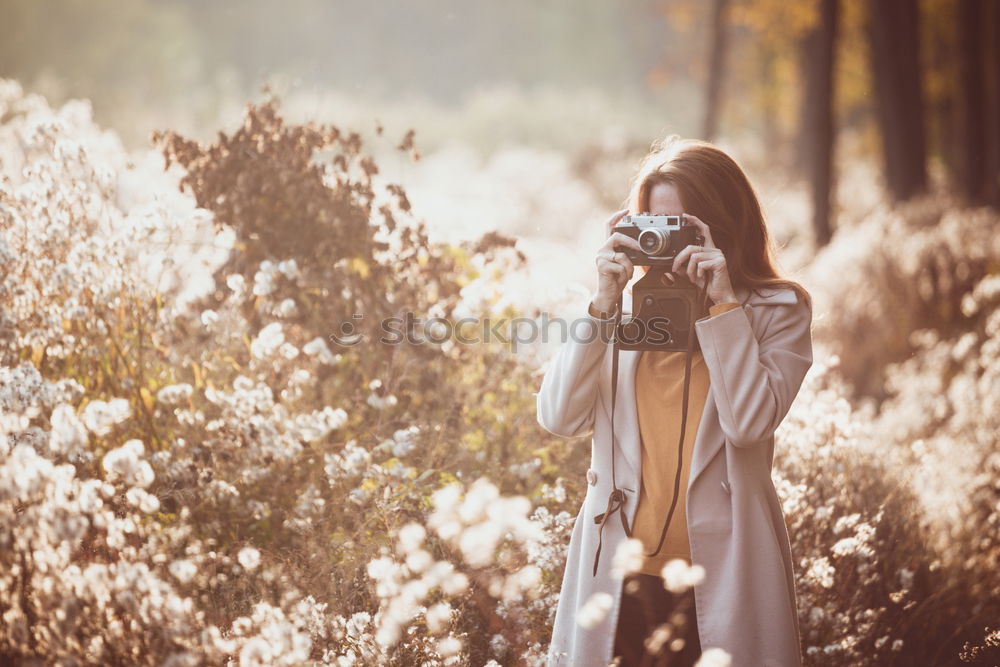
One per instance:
(193,472)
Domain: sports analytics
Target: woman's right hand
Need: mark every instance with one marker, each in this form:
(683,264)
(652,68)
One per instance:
(614,269)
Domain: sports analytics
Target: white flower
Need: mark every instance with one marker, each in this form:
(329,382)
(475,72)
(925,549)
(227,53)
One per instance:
(125,463)
(524,580)
(594,610)
(438,617)
(655,641)
(100,416)
(454,584)
(380,402)
(68,434)
(449,646)
(289,268)
(146,502)
(358,623)
(410,537)
(209,318)
(714,657)
(236,282)
(267,341)
(257,651)
(249,558)
(404,441)
(846,523)
(481,493)
(678,576)
(821,571)
(288,351)
(317,348)
(183,570)
(627,558)
(846,546)
(173,394)
(318,424)
(478,543)
(263,280)
(447,497)
(418,560)
(287,308)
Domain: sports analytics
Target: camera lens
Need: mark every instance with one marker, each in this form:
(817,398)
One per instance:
(653,241)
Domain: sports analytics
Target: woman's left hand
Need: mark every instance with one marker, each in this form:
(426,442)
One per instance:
(705,266)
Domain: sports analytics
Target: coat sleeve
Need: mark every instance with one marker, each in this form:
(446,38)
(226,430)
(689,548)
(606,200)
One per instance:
(567,399)
(754,382)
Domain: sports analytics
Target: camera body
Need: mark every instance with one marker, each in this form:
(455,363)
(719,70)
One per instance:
(662,315)
(661,237)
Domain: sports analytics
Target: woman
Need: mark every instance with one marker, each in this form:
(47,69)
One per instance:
(755,349)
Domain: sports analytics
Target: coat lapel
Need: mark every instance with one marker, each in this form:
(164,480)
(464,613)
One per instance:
(710,437)
(709,440)
(626,413)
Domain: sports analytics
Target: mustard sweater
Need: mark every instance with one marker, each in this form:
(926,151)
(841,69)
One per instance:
(659,391)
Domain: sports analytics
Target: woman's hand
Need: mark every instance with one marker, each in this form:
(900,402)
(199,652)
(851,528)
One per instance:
(705,266)
(614,269)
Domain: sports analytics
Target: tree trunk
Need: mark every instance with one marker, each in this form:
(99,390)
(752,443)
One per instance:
(804,151)
(974,99)
(895,46)
(992,194)
(716,69)
(819,125)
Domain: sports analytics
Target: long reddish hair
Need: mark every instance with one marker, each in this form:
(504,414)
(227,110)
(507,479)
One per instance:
(714,188)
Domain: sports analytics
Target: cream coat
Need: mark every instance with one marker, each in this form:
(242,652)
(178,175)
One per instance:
(757,357)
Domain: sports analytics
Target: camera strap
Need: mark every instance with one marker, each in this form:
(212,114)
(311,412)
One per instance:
(616,499)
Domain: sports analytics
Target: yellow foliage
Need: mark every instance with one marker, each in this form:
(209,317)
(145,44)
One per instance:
(680,14)
(474,441)
(446,478)
(166,518)
(360,267)
(776,19)
(199,379)
(147,398)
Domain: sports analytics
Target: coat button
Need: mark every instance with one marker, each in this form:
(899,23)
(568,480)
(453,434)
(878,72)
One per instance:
(591,476)
(726,488)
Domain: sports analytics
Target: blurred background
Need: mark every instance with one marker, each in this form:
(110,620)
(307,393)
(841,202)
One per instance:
(531,116)
(143,174)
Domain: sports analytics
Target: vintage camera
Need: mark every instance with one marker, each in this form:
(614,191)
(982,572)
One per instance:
(662,313)
(660,236)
